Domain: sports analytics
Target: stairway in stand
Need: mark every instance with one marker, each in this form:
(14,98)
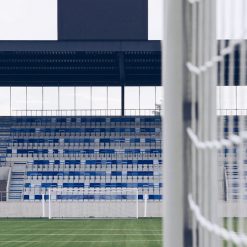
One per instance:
(4,139)
(17,182)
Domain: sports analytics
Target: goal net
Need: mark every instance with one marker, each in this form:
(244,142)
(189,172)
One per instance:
(205,152)
(93,203)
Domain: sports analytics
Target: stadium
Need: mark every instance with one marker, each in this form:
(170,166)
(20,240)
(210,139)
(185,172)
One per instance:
(80,125)
(123,123)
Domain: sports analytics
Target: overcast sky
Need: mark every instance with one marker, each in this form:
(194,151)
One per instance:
(37,19)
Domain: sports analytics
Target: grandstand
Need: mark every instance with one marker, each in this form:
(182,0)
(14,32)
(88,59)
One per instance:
(92,154)
(80,124)
(82,152)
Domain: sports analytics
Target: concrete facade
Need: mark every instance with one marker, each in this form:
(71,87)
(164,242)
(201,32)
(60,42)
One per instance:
(77,209)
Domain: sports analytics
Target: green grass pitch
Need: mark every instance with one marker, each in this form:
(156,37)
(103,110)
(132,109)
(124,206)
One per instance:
(81,233)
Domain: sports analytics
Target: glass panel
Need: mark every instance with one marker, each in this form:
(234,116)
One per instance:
(50,98)
(83,98)
(114,101)
(159,95)
(18,99)
(228,97)
(218,106)
(241,97)
(66,98)
(114,97)
(34,98)
(147,98)
(99,97)
(5,101)
(132,98)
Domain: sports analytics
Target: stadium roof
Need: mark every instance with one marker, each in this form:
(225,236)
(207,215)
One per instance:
(80,63)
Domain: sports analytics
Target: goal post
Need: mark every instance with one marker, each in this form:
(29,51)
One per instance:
(93,203)
(205,154)
(189,103)
(173,134)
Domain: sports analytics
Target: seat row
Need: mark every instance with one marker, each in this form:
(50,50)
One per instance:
(83,130)
(82,151)
(91,173)
(85,119)
(92,197)
(95,162)
(94,185)
(93,141)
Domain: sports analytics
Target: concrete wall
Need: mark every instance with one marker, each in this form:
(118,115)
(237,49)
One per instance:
(79,209)
(101,209)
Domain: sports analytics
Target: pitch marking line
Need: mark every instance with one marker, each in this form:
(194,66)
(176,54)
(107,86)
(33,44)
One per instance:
(78,234)
(83,229)
(64,220)
(83,241)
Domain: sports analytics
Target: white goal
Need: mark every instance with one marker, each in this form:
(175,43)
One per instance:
(205,154)
(93,203)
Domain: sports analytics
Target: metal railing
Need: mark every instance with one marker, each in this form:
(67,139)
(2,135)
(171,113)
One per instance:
(87,112)
(111,112)
(232,112)
(6,196)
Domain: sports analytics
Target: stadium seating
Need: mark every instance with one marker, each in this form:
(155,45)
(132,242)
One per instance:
(228,158)
(82,152)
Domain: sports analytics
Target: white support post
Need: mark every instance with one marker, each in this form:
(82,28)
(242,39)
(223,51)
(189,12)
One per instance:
(173,80)
(8,185)
(145,204)
(137,206)
(43,205)
(49,204)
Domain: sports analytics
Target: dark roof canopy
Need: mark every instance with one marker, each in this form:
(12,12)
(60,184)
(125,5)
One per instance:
(53,63)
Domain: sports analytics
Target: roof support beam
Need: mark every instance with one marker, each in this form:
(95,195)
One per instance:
(122,80)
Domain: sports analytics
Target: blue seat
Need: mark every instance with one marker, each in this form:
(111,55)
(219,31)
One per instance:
(88,152)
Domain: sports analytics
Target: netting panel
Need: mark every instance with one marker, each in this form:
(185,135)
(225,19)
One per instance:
(218,144)
(93,203)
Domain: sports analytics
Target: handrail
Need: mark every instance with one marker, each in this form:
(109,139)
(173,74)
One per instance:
(87,112)
(8,183)
(231,112)
(226,183)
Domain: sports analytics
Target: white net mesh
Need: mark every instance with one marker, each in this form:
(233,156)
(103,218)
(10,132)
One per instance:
(217,197)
